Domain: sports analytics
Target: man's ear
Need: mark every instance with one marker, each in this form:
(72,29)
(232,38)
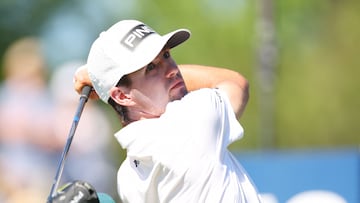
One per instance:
(119,96)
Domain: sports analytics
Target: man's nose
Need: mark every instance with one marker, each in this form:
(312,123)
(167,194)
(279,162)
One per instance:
(172,70)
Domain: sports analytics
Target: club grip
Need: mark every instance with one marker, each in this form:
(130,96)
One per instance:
(85,92)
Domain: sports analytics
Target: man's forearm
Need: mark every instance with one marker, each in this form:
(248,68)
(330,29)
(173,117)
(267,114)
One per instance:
(233,83)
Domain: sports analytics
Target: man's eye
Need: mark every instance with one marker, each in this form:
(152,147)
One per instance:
(150,67)
(166,54)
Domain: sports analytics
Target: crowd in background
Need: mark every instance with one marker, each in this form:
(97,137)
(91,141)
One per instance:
(37,105)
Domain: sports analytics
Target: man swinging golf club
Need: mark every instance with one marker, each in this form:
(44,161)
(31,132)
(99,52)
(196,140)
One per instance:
(177,120)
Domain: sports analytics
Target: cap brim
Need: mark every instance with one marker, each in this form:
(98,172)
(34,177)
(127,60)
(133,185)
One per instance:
(177,37)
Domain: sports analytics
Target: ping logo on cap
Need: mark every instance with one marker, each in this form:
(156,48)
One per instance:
(133,38)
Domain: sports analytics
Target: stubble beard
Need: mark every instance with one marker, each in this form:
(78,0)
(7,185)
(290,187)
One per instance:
(182,92)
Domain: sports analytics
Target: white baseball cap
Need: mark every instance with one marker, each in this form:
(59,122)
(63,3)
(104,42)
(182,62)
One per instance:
(126,47)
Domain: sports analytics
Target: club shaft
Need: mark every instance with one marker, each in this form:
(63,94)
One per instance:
(83,99)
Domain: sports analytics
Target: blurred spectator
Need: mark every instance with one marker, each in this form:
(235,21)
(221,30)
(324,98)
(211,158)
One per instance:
(26,135)
(89,158)
(34,124)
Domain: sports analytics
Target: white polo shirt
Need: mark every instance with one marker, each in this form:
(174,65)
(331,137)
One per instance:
(182,156)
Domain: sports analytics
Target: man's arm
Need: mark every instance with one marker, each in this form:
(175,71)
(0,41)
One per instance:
(231,82)
(196,77)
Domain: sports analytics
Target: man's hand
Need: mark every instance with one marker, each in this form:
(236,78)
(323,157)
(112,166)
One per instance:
(81,79)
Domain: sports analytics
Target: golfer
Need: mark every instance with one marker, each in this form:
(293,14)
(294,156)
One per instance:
(177,121)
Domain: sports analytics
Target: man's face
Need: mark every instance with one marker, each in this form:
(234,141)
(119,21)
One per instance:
(157,84)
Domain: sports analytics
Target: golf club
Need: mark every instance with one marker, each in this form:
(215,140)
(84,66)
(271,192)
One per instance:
(83,99)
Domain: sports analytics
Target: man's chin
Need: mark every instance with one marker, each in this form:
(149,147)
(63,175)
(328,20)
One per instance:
(179,94)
